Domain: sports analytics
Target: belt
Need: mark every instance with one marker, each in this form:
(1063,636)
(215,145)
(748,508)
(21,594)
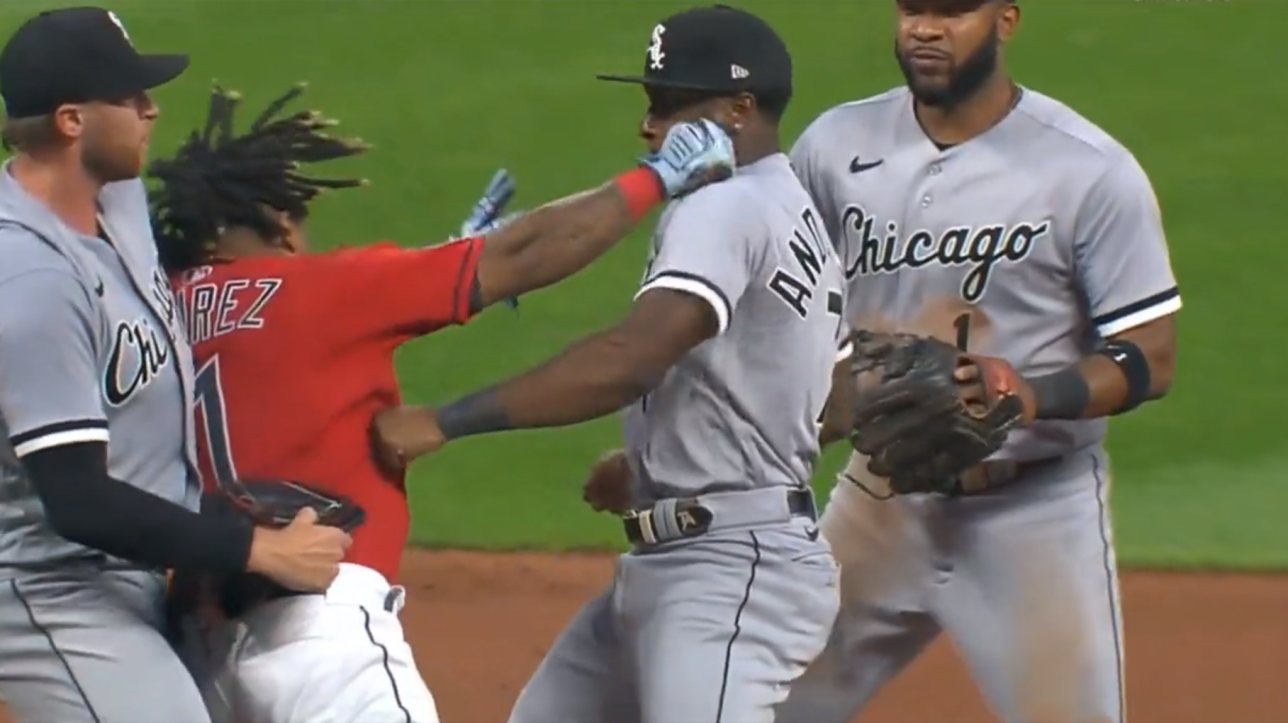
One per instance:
(686,517)
(995,474)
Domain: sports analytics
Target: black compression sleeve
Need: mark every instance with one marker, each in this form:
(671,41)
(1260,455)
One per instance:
(1061,395)
(87,506)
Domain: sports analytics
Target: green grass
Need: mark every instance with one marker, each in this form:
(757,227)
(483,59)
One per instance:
(450,90)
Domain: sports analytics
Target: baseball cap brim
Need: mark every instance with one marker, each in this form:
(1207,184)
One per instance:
(656,82)
(160,68)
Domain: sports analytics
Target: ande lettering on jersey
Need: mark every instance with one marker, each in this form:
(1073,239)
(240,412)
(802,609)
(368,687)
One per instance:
(810,248)
(980,248)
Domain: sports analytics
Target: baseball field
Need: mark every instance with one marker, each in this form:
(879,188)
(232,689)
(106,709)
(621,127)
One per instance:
(450,90)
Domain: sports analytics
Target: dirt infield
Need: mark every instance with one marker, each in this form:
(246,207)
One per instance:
(1200,648)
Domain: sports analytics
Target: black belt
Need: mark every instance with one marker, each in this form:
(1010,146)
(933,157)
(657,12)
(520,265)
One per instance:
(691,519)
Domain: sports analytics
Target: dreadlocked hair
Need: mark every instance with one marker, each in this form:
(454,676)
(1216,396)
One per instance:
(218,180)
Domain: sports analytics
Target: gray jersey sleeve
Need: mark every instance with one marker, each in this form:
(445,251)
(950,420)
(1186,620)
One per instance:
(1120,251)
(809,166)
(50,382)
(708,248)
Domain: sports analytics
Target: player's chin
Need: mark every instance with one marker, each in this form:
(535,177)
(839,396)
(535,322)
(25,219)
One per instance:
(929,91)
(131,168)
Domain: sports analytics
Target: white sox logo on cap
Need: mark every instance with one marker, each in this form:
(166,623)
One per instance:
(655,54)
(117,22)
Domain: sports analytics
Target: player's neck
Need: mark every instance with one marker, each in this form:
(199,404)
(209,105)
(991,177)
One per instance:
(958,123)
(64,188)
(753,146)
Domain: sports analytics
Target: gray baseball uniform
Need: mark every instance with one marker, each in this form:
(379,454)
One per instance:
(714,626)
(91,349)
(1030,242)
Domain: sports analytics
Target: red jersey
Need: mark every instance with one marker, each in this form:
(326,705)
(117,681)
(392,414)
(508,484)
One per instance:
(294,357)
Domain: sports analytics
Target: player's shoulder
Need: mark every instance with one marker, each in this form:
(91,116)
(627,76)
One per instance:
(856,115)
(738,206)
(24,251)
(250,270)
(1066,132)
(378,254)
(306,264)
(724,200)
(342,254)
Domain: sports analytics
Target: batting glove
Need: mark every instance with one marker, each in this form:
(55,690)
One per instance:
(486,216)
(692,155)
(489,208)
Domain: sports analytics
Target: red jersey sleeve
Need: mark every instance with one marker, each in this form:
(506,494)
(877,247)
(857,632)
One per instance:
(387,290)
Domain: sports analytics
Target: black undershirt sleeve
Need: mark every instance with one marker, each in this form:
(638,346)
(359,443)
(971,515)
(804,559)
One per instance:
(87,506)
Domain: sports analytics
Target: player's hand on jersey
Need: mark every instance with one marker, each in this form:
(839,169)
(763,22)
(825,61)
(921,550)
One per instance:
(609,487)
(401,434)
(693,155)
(1008,379)
(303,556)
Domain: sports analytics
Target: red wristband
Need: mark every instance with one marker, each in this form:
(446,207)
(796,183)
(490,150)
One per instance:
(642,190)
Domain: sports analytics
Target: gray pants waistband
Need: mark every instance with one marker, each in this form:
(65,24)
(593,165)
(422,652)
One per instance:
(675,518)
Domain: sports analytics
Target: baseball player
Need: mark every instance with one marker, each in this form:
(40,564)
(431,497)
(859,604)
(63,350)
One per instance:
(729,591)
(96,490)
(992,217)
(291,371)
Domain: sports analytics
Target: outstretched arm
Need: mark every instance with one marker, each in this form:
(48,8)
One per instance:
(413,292)
(561,238)
(596,376)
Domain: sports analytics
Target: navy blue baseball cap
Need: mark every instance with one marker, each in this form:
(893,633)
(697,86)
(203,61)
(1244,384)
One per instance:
(715,48)
(76,55)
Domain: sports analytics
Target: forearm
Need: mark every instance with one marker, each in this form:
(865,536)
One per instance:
(590,379)
(87,506)
(561,238)
(1097,386)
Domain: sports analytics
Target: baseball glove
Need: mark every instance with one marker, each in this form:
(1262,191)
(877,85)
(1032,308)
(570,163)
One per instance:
(275,503)
(268,503)
(925,411)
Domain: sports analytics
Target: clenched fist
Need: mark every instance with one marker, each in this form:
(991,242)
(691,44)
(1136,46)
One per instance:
(401,434)
(609,487)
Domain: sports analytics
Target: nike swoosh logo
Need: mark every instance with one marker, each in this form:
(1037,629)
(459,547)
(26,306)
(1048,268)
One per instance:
(858,166)
(98,289)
